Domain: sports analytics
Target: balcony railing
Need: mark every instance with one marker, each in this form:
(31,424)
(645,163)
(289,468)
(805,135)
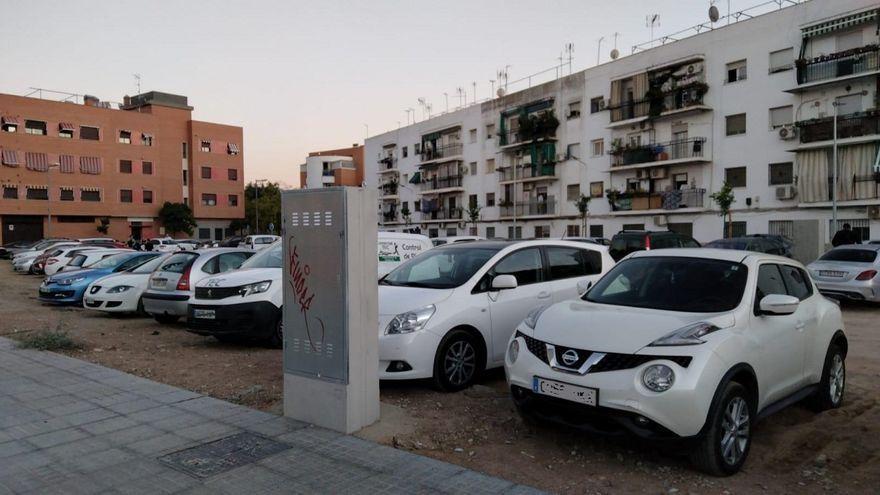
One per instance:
(389,216)
(515,136)
(668,200)
(530,208)
(443,151)
(840,64)
(429,213)
(387,163)
(676,149)
(848,126)
(433,183)
(520,172)
(389,188)
(327,173)
(675,99)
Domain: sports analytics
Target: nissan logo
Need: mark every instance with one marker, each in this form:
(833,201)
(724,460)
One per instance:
(570,357)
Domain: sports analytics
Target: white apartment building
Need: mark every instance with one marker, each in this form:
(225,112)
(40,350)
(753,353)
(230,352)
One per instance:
(650,136)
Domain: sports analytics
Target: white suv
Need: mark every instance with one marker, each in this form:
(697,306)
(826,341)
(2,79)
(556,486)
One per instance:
(448,313)
(683,343)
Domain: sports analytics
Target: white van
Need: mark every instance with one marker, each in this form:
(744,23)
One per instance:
(258,242)
(395,248)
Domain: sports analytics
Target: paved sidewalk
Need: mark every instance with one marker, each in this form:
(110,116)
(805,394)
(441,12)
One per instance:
(68,426)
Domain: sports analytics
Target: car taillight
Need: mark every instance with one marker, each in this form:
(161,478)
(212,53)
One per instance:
(183,282)
(867,275)
(647,243)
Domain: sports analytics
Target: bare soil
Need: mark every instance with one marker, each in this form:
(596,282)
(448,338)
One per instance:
(793,451)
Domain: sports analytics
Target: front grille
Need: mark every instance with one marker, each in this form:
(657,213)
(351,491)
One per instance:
(217,292)
(93,304)
(535,346)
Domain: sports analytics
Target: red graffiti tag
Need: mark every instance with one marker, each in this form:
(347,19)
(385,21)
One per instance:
(299,281)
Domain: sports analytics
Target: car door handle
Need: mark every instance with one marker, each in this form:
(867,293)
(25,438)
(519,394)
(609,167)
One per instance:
(800,326)
(543,295)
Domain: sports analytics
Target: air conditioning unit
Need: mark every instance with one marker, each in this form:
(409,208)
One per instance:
(659,172)
(787,132)
(603,104)
(874,212)
(660,220)
(786,192)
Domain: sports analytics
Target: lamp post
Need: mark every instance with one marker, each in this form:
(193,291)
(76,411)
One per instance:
(49,199)
(257,184)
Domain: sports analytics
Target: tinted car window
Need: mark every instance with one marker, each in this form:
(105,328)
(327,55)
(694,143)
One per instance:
(524,264)
(796,281)
(769,282)
(623,245)
(664,242)
(571,262)
(689,242)
(852,255)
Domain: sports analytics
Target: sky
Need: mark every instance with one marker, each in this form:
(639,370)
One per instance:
(303,76)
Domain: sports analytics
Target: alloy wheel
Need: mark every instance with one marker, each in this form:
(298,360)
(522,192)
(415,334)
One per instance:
(836,379)
(735,430)
(460,362)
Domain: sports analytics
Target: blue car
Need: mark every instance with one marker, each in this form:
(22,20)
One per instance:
(69,287)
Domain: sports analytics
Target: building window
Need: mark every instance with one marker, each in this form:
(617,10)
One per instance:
(451,232)
(67,195)
(781,60)
(206,172)
(574,110)
(736,124)
(147,139)
(597,189)
(89,195)
(405,179)
(542,231)
(596,104)
(781,116)
(125,137)
(473,135)
(417,205)
(598,147)
(233,199)
(204,233)
(735,177)
(490,199)
(490,131)
(41,193)
(65,133)
(597,231)
(472,201)
(147,168)
(490,166)
(738,229)
(10,126)
(209,199)
(184,150)
(185,177)
(148,196)
(573,151)
(573,230)
(683,228)
(633,226)
(10,192)
(89,133)
(473,168)
(736,71)
(404,151)
(861,226)
(232,174)
(848,104)
(781,173)
(490,232)
(205,146)
(125,196)
(36,127)
(125,166)
(416,148)
(573,192)
(514,233)
(232,149)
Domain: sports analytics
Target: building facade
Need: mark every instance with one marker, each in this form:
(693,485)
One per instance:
(648,138)
(90,165)
(339,167)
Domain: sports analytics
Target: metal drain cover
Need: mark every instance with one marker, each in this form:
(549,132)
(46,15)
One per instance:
(222,455)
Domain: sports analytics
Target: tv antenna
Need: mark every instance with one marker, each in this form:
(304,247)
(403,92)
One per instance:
(652,20)
(615,52)
(599,49)
(502,76)
(462,94)
(137,81)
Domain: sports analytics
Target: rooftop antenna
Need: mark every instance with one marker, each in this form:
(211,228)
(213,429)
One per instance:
(615,52)
(568,52)
(429,107)
(423,104)
(475,92)
(492,82)
(461,94)
(652,20)
(137,81)
(502,79)
(446,95)
(599,49)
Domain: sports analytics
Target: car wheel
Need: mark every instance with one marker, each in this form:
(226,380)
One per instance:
(457,363)
(723,448)
(833,384)
(166,319)
(276,340)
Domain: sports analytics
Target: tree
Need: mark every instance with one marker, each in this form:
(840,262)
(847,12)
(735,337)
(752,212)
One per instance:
(104,225)
(724,198)
(237,225)
(268,205)
(473,214)
(583,206)
(177,217)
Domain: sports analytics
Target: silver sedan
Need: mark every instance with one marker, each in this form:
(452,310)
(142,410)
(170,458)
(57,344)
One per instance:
(849,272)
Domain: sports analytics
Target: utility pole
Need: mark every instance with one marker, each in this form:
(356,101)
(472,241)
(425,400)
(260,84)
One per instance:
(49,199)
(257,184)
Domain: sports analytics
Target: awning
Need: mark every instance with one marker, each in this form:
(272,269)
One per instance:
(65,126)
(90,189)
(8,119)
(416,178)
(66,188)
(147,136)
(31,186)
(10,158)
(90,164)
(232,147)
(37,162)
(66,164)
(838,24)
(206,142)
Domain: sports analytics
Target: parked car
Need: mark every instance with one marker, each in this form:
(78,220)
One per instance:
(39,263)
(55,263)
(628,241)
(683,344)
(394,248)
(449,313)
(258,242)
(767,245)
(34,246)
(849,272)
(23,261)
(243,304)
(189,244)
(439,241)
(171,284)
(232,241)
(7,249)
(787,244)
(84,258)
(69,287)
(121,292)
(594,240)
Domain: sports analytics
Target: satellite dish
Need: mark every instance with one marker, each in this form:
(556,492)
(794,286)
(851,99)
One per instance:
(713,13)
(615,53)
(500,92)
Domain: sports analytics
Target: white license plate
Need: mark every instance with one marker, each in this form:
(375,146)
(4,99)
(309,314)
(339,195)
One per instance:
(207,314)
(831,273)
(574,393)
(90,300)
(158,283)
(44,290)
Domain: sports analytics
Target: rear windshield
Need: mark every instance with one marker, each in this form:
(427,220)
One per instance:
(851,255)
(111,261)
(77,260)
(729,244)
(267,258)
(178,263)
(149,266)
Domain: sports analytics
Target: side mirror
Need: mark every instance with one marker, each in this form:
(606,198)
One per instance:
(779,304)
(502,282)
(583,286)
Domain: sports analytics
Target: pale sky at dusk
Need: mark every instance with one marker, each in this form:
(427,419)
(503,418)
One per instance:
(302,76)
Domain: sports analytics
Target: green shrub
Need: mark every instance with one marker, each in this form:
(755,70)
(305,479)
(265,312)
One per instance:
(49,341)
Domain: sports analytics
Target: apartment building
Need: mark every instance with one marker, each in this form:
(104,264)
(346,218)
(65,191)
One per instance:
(650,136)
(95,164)
(339,167)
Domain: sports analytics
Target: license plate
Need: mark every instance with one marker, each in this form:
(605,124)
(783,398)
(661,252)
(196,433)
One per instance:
(44,290)
(158,283)
(207,314)
(90,301)
(831,273)
(574,393)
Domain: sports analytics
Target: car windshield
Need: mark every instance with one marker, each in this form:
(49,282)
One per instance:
(149,266)
(440,268)
(111,262)
(693,285)
(851,255)
(267,258)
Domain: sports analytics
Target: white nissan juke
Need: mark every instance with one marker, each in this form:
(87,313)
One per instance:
(692,344)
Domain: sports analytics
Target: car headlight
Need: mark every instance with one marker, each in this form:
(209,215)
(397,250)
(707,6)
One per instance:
(256,288)
(118,289)
(688,335)
(658,377)
(69,281)
(531,320)
(410,321)
(513,351)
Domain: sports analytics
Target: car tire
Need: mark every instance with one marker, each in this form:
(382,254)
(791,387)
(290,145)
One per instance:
(276,340)
(140,307)
(724,446)
(458,362)
(833,384)
(166,319)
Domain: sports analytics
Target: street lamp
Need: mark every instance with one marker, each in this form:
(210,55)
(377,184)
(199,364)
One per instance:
(49,199)
(257,184)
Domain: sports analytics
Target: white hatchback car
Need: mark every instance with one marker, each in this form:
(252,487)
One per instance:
(683,343)
(448,313)
(121,292)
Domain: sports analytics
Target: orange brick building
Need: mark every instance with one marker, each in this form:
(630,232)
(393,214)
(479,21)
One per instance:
(84,163)
(337,172)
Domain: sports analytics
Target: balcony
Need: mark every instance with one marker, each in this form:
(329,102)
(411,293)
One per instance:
(442,152)
(660,202)
(527,173)
(672,102)
(836,67)
(855,125)
(387,164)
(388,190)
(389,216)
(531,208)
(443,214)
(658,154)
(440,184)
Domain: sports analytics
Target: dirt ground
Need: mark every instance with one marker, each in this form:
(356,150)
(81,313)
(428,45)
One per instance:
(793,451)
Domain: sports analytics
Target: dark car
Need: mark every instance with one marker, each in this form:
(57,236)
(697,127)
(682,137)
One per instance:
(757,244)
(787,244)
(628,241)
(231,241)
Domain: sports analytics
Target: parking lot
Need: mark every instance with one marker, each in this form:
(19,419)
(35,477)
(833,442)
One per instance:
(837,451)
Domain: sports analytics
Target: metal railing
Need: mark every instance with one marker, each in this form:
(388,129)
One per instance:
(519,172)
(676,149)
(530,208)
(389,188)
(676,99)
(848,126)
(441,214)
(387,163)
(840,64)
(389,216)
(667,200)
(444,151)
(432,183)
(514,136)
